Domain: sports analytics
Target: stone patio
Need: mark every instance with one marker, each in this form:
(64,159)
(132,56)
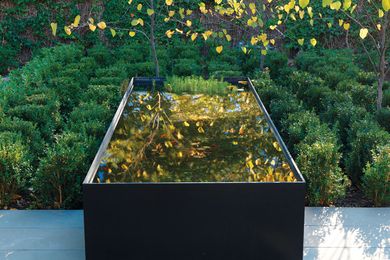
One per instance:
(330,233)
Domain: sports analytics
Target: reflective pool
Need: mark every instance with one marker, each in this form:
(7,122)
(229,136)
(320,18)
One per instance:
(169,137)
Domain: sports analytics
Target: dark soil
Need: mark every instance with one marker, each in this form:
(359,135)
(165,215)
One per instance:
(354,198)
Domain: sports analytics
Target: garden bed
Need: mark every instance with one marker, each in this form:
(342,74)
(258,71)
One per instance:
(192,172)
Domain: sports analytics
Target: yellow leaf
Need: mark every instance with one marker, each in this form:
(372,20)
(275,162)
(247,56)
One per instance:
(380,13)
(168,2)
(76,21)
(171,13)
(263,52)
(304,3)
(335,5)
(329,25)
(219,49)
(244,50)
(179,136)
(102,25)
(150,12)
(347,4)
(188,23)
(379,26)
(272,27)
(341,22)
(194,36)
(186,124)
(113,32)
(92,27)
(326,3)
(301,14)
(140,21)
(130,1)
(272,41)
(67,30)
(180,154)
(91,20)
(131,33)
(386,5)
(313,42)
(301,41)
(218,1)
(189,12)
(254,40)
(54,28)
(347,26)
(228,37)
(169,33)
(139,7)
(363,33)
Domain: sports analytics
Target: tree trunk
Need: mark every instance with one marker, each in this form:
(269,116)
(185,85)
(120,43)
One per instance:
(380,92)
(153,40)
(382,64)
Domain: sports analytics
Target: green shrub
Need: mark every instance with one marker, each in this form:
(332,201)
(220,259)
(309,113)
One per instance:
(57,182)
(14,166)
(90,119)
(362,95)
(332,66)
(186,67)
(383,117)
(376,178)
(299,125)
(364,136)
(40,107)
(276,61)
(88,65)
(281,108)
(319,162)
(248,64)
(386,98)
(108,95)
(221,66)
(47,64)
(106,81)
(7,58)
(101,54)
(341,113)
(367,78)
(28,131)
(132,53)
(143,69)
(68,90)
(225,74)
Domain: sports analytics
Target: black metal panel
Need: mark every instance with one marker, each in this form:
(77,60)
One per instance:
(194,221)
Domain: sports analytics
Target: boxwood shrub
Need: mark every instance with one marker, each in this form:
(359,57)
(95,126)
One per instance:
(57,182)
(15,169)
(376,178)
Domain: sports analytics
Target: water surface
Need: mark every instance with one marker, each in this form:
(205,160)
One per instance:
(168,137)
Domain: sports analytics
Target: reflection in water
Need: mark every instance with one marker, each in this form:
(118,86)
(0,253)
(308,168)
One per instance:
(166,137)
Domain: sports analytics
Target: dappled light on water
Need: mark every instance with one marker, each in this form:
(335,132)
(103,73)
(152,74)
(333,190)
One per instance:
(169,137)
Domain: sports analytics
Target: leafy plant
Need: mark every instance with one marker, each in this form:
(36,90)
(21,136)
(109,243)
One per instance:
(15,169)
(197,85)
(319,162)
(57,182)
(376,178)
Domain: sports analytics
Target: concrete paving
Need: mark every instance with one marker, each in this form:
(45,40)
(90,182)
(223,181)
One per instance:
(330,233)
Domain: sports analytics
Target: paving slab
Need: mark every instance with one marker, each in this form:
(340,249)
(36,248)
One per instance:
(330,234)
